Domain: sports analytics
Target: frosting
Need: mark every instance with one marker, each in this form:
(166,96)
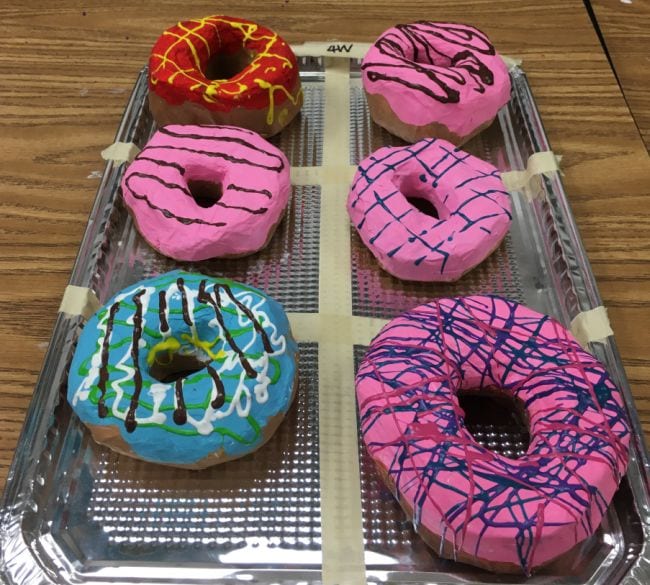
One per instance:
(246,352)
(523,511)
(253,179)
(180,57)
(438,72)
(471,203)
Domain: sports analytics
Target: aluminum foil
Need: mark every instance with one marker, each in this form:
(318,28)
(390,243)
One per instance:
(75,512)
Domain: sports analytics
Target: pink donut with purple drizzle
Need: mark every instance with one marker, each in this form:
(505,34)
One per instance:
(200,192)
(434,79)
(466,501)
(429,211)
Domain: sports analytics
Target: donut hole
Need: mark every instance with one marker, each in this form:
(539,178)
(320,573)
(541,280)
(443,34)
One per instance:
(424,206)
(205,193)
(176,366)
(422,196)
(432,59)
(496,420)
(226,66)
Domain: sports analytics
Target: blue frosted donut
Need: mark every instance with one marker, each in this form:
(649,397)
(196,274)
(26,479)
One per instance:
(185,370)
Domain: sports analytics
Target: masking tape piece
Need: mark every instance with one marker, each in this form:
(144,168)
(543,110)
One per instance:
(341,523)
(335,290)
(538,164)
(511,62)
(345,49)
(79,300)
(365,329)
(330,328)
(304,326)
(323,175)
(590,326)
(120,152)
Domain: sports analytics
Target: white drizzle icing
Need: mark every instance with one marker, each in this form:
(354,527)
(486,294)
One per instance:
(242,399)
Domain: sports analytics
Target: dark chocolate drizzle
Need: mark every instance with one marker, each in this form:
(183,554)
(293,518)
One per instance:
(220,139)
(451,96)
(102,411)
(205,297)
(277,165)
(180,413)
(220,398)
(233,187)
(259,211)
(183,188)
(462,35)
(421,58)
(168,214)
(186,314)
(130,423)
(244,309)
(163,163)
(481,74)
(162,308)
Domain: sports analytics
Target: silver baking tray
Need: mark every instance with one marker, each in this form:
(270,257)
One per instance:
(75,512)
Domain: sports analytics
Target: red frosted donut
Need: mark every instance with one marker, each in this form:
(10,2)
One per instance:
(466,501)
(223,70)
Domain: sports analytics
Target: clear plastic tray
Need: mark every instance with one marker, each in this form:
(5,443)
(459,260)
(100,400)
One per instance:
(75,512)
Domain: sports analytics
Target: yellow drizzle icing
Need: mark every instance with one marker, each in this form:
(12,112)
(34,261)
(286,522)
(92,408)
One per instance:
(171,345)
(214,88)
(272,89)
(205,346)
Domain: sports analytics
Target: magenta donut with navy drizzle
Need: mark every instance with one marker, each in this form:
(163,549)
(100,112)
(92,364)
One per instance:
(429,211)
(437,79)
(200,192)
(468,502)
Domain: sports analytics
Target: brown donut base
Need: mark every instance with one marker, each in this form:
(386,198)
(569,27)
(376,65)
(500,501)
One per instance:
(446,551)
(165,113)
(110,437)
(385,117)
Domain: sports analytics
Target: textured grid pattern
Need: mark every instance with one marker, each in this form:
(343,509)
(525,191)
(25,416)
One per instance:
(288,263)
(290,260)
(375,293)
(302,141)
(269,498)
(366,136)
(510,441)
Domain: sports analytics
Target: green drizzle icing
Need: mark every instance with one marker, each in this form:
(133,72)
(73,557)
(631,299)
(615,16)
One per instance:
(94,392)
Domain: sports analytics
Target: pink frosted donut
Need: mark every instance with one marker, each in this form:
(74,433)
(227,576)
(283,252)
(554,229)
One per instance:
(387,206)
(469,503)
(199,192)
(434,79)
